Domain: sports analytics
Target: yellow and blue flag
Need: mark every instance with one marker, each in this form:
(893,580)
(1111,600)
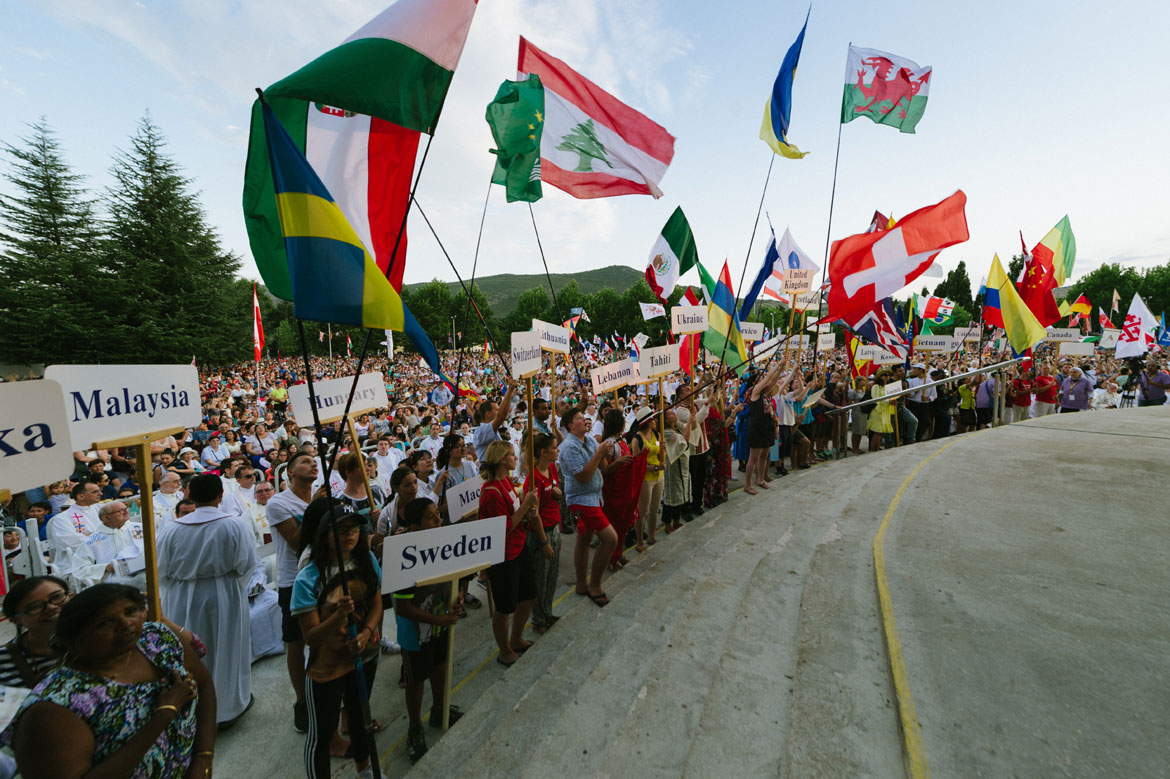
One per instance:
(334,278)
(723,337)
(778,109)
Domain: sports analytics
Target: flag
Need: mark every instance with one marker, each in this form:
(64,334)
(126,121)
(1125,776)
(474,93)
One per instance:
(1064,308)
(880,222)
(880,325)
(688,349)
(257,326)
(516,117)
(778,108)
(673,254)
(1058,250)
(1116,301)
(617,338)
(652,310)
(866,268)
(982,286)
(778,258)
(320,336)
(884,87)
(593,144)
(333,278)
(857,365)
(428,355)
(348,346)
(192,359)
(1137,333)
(579,311)
(1082,305)
(1036,290)
(1105,322)
(723,337)
(1004,308)
(1163,336)
(939,311)
(356,113)
(1076,318)
(486,350)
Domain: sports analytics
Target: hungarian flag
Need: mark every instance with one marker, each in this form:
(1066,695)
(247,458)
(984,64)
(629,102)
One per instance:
(886,88)
(673,254)
(257,326)
(865,268)
(1081,305)
(356,113)
(593,144)
(348,346)
(939,311)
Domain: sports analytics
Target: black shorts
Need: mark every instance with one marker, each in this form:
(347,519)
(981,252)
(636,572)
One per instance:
(512,582)
(983,415)
(417,666)
(967,416)
(290,626)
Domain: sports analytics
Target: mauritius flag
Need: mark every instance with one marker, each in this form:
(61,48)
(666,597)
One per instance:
(356,113)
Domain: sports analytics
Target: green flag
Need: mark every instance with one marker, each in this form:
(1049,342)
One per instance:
(516,117)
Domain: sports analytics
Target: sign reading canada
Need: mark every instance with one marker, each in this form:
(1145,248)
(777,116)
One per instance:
(525,354)
(103,402)
(423,555)
(35,446)
(553,338)
(330,397)
(688,319)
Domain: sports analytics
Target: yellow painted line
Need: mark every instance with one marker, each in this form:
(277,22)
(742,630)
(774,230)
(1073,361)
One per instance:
(911,732)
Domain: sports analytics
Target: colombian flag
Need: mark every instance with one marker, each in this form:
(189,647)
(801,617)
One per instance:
(1002,307)
(334,279)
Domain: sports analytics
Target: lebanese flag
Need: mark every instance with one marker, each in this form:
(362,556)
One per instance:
(865,268)
(688,349)
(257,325)
(594,145)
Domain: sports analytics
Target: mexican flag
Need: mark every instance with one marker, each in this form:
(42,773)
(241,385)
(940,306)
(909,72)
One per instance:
(672,255)
(356,113)
(884,87)
(593,144)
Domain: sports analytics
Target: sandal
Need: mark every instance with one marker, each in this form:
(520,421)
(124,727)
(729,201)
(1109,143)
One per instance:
(505,663)
(641,548)
(750,491)
(600,599)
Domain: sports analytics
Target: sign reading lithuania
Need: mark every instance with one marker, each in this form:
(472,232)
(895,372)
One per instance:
(553,338)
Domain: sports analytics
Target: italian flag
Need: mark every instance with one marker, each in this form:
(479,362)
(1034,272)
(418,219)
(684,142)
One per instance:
(672,255)
(593,144)
(356,112)
(884,87)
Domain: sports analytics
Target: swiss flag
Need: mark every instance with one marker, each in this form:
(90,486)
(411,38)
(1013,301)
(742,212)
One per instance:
(865,268)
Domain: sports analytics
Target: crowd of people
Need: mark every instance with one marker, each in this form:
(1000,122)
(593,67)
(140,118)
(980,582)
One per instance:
(269,536)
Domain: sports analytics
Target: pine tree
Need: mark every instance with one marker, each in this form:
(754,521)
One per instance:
(51,277)
(956,287)
(174,278)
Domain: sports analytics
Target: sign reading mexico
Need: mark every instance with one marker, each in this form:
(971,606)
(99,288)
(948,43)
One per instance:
(331,396)
(424,555)
(553,338)
(688,319)
(752,331)
(103,402)
(525,354)
(659,361)
(35,448)
(613,376)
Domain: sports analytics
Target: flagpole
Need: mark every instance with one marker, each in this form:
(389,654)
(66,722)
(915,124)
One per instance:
(329,327)
(828,230)
(467,307)
(556,305)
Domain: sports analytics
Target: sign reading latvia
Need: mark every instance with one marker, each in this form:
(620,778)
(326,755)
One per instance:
(934,343)
(553,338)
(331,396)
(752,331)
(688,319)
(826,341)
(612,376)
(463,498)
(1064,335)
(35,446)
(877,355)
(525,354)
(413,557)
(797,280)
(1075,348)
(103,402)
(659,361)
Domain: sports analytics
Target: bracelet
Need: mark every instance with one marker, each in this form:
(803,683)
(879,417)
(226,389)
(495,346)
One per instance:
(205,754)
(166,707)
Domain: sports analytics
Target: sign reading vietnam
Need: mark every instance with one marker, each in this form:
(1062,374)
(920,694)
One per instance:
(934,343)
(688,319)
(525,354)
(103,402)
(553,338)
(424,555)
(331,396)
(35,446)
(659,361)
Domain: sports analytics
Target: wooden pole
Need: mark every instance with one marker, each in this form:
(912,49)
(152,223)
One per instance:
(146,491)
(365,476)
(531,430)
(453,596)
(553,387)
(661,417)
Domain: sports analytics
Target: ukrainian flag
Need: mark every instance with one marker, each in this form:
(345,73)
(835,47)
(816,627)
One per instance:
(778,109)
(334,278)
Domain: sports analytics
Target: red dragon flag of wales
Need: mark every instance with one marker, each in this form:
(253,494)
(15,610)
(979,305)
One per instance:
(884,87)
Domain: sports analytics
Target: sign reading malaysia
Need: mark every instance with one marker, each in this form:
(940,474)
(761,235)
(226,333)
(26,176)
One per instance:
(751,331)
(659,361)
(35,447)
(423,555)
(103,402)
(525,354)
(331,396)
(688,319)
(612,376)
(553,338)
(463,498)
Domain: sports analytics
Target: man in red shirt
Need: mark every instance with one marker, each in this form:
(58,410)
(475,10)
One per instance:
(1045,389)
(1021,397)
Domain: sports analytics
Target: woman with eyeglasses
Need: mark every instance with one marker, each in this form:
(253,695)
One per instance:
(33,606)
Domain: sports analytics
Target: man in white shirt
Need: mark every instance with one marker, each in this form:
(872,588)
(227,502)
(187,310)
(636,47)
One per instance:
(167,498)
(69,528)
(388,458)
(98,557)
(238,501)
(432,443)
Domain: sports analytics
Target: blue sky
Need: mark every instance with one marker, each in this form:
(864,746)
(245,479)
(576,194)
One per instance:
(1036,110)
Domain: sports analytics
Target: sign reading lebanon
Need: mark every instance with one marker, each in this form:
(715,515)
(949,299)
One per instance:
(553,338)
(103,402)
(331,396)
(408,558)
(688,319)
(612,376)
(525,354)
(751,331)
(659,361)
(463,498)
(35,447)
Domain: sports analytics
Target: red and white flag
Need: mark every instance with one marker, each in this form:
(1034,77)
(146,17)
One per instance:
(594,145)
(348,346)
(1106,323)
(320,336)
(257,325)
(1137,334)
(688,350)
(865,268)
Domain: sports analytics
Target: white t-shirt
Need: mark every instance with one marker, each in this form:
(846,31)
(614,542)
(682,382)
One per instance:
(389,461)
(265,444)
(283,508)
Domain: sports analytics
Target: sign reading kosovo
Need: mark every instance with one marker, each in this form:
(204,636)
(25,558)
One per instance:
(104,402)
(35,445)
(331,396)
(425,555)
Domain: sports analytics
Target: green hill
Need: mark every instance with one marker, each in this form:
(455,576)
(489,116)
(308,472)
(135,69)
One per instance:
(502,290)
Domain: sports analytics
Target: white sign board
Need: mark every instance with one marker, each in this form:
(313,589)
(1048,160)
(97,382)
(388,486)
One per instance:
(752,331)
(612,376)
(659,361)
(808,301)
(463,498)
(331,396)
(972,333)
(1070,348)
(1109,339)
(103,402)
(826,341)
(892,387)
(797,342)
(35,446)
(553,338)
(877,355)
(525,354)
(408,558)
(1064,335)
(688,319)
(797,280)
(934,343)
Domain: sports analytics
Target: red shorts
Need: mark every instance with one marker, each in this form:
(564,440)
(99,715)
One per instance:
(589,518)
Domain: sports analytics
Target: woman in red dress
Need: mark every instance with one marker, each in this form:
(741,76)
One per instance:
(719,456)
(622,487)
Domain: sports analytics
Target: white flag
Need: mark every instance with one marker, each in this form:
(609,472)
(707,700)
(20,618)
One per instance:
(652,310)
(1137,334)
(640,339)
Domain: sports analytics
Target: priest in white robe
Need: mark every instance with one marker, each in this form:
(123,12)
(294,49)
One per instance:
(205,562)
(166,500)
(113,552)
(69,528)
